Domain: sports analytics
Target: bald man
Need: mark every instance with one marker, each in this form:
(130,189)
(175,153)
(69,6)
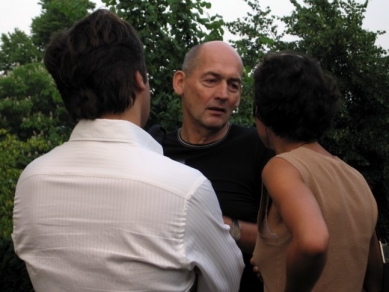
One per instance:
(230,156)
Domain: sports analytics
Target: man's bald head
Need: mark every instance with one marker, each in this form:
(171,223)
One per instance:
(193,56)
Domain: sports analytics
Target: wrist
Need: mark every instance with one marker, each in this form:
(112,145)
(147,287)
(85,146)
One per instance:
(235,229)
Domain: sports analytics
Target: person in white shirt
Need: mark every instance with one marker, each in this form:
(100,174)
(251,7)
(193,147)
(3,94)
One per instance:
(106,211)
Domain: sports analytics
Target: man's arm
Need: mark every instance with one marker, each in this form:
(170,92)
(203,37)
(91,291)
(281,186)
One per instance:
(374,271)
(300,212)
(209,245)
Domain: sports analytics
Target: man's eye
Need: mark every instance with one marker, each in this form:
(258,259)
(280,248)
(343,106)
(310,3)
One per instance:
(210,80)
(234,87)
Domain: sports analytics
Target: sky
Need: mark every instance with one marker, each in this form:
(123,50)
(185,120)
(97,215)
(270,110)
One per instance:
(18,14)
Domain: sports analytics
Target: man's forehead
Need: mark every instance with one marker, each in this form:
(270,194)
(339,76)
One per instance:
(211,60)
(235,75)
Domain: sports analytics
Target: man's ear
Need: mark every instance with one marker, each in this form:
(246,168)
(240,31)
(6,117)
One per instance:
(139,83)
(179,82)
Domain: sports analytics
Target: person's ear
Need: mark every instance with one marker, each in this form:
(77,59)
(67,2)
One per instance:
(179,82)
(139,82)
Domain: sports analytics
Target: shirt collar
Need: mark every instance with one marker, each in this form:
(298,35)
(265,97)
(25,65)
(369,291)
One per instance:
(114,131)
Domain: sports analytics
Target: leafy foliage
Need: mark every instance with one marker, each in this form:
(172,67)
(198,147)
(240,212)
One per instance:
(30,105)
(17,49)
(57,15)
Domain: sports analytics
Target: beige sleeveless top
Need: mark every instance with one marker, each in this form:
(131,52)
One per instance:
(350,212)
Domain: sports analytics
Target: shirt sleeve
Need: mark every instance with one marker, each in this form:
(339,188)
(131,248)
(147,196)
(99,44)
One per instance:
(209,245)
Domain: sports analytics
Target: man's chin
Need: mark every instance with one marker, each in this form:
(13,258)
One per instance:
(215,126)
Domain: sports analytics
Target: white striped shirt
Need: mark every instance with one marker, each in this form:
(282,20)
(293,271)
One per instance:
(107,211)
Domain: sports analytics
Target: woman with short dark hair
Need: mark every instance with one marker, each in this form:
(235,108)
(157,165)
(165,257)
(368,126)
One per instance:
(316,224)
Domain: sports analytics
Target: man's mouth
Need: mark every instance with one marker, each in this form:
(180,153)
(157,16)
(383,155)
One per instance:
(218,109)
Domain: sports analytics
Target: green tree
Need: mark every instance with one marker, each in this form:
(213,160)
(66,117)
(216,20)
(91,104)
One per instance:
(168,28)
(30,105)
(17,49)
(57,15)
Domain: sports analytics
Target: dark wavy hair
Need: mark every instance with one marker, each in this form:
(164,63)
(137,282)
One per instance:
(94,63)
(294,97)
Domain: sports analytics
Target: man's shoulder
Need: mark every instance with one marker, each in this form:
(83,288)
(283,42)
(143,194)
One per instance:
(162,136)
(42,164)
(171,165)
(248,141)
(174,169)
(243,133)
(176,178)
(243,130)
(158,133)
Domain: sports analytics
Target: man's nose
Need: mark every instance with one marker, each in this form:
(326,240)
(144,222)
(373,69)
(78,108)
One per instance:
(222,90)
